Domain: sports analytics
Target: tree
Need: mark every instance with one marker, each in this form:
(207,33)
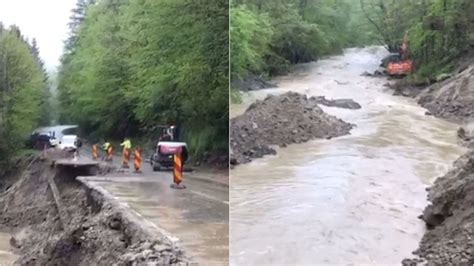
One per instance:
(440,31)
(22,86)
(142,63)
(268,36)
(76,19)
(45,103)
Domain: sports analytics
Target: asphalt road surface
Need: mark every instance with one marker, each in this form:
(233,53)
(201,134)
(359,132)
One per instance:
(197,217)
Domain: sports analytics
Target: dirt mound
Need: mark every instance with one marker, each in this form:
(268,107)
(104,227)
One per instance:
(280,120)
(453,98)
(97,231)
(449,239)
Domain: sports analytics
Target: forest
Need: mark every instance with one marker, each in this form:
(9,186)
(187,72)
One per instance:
(267,37)
(131,66)
(440,31)
(24,91)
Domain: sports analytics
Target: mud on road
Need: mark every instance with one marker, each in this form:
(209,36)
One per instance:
(98,231)
(281,120)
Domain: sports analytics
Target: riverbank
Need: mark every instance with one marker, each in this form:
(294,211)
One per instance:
(451,99)
(449,217)
(251,83)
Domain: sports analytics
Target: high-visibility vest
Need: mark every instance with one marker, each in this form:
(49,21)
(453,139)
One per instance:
(127,144)
(106,146)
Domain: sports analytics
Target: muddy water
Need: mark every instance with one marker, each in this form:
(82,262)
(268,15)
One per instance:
(7,257)
(353,199)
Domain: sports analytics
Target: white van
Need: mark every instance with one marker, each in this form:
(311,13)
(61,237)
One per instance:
(68,142)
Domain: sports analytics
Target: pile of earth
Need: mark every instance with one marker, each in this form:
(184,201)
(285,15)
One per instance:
(451,99)
(96,232)
(450,215)
(449,239)
(280,120)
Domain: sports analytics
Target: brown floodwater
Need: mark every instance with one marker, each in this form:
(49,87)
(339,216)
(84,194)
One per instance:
(349,200)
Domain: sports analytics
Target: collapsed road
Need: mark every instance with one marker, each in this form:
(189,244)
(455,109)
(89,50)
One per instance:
(65,214)
(196,218)
(349,199)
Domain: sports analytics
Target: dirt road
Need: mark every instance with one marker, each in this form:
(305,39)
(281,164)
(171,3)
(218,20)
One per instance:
(351,199)
(196,217)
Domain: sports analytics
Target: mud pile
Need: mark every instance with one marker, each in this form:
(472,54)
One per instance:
(96,230)
(280,120)
(453,98)
(449,239)
(450,215)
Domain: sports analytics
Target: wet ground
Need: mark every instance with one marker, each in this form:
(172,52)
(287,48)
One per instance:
(7,257)
(353,199)
(196,217)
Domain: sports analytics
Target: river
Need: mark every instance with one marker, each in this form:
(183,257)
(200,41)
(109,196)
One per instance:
(349,200)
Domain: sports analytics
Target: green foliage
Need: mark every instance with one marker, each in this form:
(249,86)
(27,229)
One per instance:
(250,39)
(439,30)
(142,63)
(23,87)
(268,36)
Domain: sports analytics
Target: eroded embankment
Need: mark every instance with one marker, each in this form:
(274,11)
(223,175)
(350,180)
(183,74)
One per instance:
(96,231)
(451,99)
(280,120)
(449,239)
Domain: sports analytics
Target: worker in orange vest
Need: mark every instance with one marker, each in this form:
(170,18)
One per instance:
(127,145)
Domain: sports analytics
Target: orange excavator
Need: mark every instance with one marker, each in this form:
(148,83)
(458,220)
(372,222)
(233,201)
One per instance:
(402,64)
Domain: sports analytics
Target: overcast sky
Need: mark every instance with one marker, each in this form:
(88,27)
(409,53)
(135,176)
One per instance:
(45,20)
